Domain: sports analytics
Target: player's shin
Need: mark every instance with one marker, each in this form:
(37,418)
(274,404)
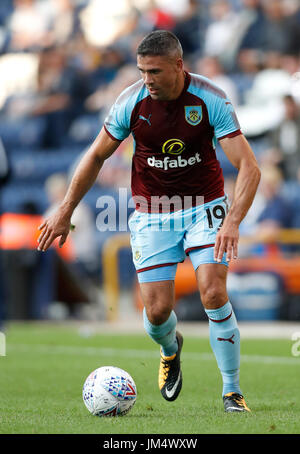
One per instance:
(225,343)
(164,334)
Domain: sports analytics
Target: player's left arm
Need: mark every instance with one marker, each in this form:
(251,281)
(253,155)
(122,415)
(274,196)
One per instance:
(241,156)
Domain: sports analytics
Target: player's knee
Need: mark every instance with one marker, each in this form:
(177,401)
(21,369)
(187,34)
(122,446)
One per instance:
(158,314)
(213,297)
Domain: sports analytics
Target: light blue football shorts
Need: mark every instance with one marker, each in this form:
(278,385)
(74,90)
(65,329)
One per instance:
(160,241)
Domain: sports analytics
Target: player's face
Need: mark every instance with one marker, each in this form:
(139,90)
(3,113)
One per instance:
(162,76)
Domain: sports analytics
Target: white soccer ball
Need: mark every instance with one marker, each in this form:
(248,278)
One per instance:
(109,391)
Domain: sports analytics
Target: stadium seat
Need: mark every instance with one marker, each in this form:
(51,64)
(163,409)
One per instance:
(15,196)
(291,191)
(36,166)
(27,132)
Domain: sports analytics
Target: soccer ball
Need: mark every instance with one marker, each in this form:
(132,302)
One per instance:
(109,391)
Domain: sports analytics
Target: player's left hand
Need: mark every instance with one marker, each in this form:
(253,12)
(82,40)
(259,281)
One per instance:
(227,242)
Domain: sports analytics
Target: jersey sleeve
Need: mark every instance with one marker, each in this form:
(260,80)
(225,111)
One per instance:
(223,118)
(117,122)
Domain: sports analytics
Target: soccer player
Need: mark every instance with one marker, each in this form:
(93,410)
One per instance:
(181,209)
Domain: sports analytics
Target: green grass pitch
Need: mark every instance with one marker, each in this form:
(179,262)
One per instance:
(45,367)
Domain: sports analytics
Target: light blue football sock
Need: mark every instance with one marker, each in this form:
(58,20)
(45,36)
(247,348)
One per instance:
(225,342)
(164,334)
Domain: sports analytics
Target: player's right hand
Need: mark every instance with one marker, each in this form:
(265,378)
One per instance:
(227,242)
(55,226)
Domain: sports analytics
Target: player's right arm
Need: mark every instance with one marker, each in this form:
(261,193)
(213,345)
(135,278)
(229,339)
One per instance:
(58,224)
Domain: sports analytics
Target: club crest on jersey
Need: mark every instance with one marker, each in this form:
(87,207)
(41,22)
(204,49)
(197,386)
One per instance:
(137,255)
(193,114)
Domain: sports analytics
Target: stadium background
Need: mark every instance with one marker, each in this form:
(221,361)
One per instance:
(62,64)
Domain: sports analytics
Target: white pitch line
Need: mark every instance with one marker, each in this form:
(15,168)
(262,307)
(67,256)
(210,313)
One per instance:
(141,354)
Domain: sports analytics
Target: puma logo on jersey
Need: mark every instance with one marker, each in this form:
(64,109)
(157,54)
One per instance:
(141,117)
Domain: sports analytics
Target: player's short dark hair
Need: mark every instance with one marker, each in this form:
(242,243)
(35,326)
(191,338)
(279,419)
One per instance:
(160,42)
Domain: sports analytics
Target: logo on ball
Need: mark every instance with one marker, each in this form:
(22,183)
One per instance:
(109,391)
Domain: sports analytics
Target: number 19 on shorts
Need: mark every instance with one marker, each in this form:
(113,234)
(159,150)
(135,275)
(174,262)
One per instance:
(218,212)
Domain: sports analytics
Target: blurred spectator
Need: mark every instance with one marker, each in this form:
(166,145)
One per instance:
(4,168)
(281,32)
(177,9)
(263,108)
(18,75)
(286,138)
(273,31)
(188,28)
(277,213)
(92,66)
(64,20)
(50,101)
(105,22)
(116,171)
(29,26)
(83,236)
(95,105)
(64,62)
(4,176)
(253,17)
(158,17)
(20,262)
(271,211)
(104,97)
(212,68)
(221,32)
(54,96)
(36,24)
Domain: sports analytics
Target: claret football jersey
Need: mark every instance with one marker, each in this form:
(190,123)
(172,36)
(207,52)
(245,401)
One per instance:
(174,141)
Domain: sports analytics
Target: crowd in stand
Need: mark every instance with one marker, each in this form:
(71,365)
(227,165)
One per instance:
(63,62)
(62,65)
